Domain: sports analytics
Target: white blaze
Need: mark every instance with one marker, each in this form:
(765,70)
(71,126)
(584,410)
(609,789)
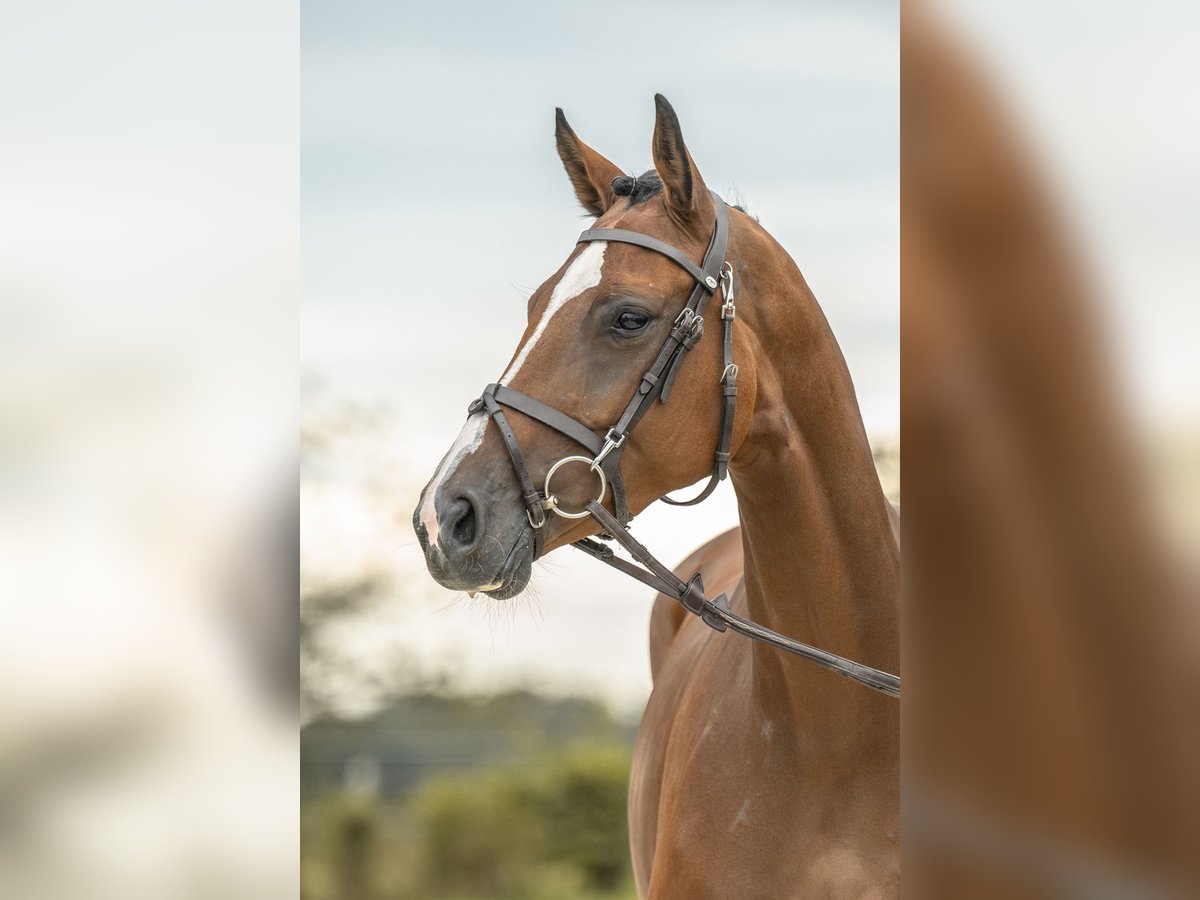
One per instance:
(468,441)
(582,274)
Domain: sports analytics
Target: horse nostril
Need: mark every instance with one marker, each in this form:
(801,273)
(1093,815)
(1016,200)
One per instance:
(462,532)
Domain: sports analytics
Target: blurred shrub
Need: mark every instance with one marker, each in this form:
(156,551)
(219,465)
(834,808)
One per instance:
(512,795)
(584,813)
(480,833)
(554,829)
(346,829)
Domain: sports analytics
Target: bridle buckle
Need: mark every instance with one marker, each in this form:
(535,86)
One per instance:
(541,508)
(728,310)
(612,440)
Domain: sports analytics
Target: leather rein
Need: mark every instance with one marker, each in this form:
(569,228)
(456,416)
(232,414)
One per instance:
(605,453)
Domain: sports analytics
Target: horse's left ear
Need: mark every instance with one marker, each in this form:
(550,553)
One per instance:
(590,173)
(687,197)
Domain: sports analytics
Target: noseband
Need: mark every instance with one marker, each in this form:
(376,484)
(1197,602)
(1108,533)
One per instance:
(713,272)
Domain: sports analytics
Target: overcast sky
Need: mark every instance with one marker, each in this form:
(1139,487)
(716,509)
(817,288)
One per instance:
(432,193)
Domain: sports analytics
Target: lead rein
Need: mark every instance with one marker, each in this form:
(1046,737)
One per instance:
(716,612)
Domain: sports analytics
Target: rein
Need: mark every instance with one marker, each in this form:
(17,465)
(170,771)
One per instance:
(605,461)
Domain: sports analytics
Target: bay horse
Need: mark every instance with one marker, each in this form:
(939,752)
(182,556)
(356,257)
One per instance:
(754,774)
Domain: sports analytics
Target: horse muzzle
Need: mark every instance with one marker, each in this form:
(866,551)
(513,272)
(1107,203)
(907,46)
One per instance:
(475,539)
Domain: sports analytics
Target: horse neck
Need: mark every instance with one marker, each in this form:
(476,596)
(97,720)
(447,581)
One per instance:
(821,559)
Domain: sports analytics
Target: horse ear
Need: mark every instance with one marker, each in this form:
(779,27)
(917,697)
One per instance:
(590,173)
(687,197)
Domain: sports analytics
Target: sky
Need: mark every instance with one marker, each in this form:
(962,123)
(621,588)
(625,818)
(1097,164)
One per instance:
(431,189)
(433,203)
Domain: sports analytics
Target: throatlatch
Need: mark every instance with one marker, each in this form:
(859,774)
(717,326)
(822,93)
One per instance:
(713,273)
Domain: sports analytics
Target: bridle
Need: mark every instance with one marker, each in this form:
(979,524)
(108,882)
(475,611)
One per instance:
(713,272)
(656,383)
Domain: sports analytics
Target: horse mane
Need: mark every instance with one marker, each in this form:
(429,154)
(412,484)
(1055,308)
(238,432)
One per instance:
(640,188)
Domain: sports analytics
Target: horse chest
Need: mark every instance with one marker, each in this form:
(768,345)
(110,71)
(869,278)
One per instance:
(727,801)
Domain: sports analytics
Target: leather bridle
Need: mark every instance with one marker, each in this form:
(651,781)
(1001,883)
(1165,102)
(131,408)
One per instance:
(714,272)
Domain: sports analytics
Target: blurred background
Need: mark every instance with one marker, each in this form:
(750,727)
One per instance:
(1050,416)
(479,747)
(149,256)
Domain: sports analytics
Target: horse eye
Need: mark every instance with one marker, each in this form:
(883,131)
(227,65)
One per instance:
(631,321)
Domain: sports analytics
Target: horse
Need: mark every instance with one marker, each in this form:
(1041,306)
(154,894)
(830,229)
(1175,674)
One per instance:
(754,774)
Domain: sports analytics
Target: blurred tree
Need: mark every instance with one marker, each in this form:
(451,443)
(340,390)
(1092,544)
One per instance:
(432,732)
(504,831)
(481,834)
(512,795)
(584,813)
(355,835)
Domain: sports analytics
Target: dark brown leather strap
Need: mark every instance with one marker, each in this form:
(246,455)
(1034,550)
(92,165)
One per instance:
(560,422)
(728,399)
(716,612)
(548,415)
(688,327)
(624,236)
(529,493)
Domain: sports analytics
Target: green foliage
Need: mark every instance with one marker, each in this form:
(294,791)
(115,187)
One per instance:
(515,795)
(551,829)
(584,814)
(519,831)
(346,827)
(480,834)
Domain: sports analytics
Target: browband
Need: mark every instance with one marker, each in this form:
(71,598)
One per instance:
(701,276)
